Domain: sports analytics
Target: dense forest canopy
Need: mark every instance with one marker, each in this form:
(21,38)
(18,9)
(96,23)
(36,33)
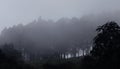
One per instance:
(47,37)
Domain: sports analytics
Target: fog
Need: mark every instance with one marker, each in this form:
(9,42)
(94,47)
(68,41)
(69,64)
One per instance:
(59,34)
(14,12)
(45,38)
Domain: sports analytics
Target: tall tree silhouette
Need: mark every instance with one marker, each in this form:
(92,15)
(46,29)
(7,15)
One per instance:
(106,45)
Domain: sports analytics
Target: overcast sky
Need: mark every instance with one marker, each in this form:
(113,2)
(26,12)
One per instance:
(13,12)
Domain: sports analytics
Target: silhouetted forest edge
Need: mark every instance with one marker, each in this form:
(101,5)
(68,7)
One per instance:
(105,53)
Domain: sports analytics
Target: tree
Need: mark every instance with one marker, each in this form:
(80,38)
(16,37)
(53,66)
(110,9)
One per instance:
(106,45)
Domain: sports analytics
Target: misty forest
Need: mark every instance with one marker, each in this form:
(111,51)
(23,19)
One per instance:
(59,34)
(89,42)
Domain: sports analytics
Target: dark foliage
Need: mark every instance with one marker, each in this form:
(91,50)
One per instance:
(106,48)
(10,58)
(73,63)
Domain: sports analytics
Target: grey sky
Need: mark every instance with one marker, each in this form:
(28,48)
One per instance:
(13,12)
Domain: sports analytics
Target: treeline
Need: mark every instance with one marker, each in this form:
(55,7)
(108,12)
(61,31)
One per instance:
(105,54)
(63,44)
(41,39)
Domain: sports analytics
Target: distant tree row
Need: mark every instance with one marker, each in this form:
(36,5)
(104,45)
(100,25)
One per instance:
(41,39)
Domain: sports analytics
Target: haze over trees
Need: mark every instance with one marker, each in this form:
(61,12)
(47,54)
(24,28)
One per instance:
(48,38)
(49,44)
(43,38)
